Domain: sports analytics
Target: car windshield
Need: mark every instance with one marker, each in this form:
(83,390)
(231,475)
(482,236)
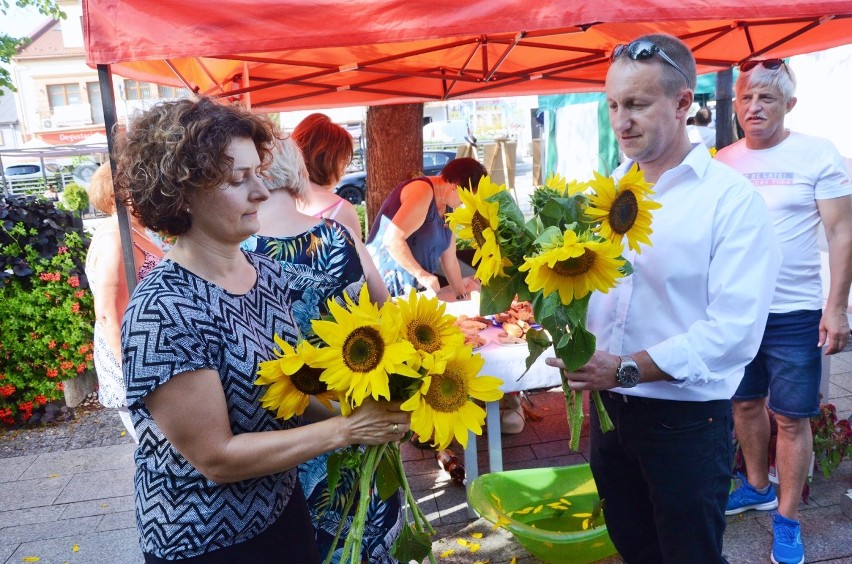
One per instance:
(15,170)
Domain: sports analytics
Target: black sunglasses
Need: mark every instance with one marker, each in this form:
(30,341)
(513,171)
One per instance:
(642,50)
(771,64)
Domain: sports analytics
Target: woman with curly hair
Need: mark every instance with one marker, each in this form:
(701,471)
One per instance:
(215,472)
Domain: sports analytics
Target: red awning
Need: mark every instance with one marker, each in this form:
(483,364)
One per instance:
(325,53)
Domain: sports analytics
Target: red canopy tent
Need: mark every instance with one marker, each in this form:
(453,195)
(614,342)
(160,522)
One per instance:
(290,54)
(300,54)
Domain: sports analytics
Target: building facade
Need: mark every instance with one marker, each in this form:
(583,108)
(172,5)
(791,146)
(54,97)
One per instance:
(59,96)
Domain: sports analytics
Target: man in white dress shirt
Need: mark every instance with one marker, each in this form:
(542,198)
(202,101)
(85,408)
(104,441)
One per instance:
(803,181)
(674,337)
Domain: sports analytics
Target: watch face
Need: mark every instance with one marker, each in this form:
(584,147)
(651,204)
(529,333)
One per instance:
(628,375)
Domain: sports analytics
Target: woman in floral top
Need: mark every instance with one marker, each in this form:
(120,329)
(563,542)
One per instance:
(327,262)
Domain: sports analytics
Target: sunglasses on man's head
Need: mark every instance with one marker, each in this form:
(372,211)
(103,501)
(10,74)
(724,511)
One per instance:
(642,50)
(771,64)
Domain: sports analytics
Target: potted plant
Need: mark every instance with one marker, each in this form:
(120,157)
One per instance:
(45,304)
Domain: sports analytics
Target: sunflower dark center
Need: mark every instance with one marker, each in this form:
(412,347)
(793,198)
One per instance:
(307,381)
(576,266)
(423,337)
(448,391)
(363,349)
(478,224)
(623,213)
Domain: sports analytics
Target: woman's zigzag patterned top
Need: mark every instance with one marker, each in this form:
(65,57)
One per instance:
(178,322)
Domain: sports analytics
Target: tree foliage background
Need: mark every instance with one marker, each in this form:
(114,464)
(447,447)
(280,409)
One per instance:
(9,45)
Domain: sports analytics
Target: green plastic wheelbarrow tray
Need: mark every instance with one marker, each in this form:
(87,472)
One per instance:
(517,498)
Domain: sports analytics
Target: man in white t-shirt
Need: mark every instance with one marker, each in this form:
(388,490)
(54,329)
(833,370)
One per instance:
(804,182)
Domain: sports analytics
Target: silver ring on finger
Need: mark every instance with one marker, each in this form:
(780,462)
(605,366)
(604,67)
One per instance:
(395,428)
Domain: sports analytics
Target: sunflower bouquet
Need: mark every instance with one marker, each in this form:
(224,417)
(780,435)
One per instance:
(407,350)
(571,246)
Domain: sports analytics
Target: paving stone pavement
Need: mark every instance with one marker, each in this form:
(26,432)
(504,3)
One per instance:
(64,502)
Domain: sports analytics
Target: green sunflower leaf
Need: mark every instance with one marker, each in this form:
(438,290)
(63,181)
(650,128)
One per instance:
(387,480)
(497,295)
(576,349)
(332,464)
(412,545)
(537,343)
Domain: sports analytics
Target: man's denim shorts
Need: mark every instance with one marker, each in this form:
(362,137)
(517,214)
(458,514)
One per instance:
(788,365)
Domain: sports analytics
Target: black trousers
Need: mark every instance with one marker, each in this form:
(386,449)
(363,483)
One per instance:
(289,540)
(665,474)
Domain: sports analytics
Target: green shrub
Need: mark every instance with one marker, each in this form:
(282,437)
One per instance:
(74,198)
(46,309)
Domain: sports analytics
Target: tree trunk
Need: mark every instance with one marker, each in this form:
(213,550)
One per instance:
(394,150)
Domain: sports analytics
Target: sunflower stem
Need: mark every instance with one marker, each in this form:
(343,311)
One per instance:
(603,416)
(574,403)
(346,508)
(420,520)
(352,547)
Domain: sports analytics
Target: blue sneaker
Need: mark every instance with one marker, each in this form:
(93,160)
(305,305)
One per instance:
(787,546)
(746,497)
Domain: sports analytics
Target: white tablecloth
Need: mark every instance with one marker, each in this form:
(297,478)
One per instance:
(507,362)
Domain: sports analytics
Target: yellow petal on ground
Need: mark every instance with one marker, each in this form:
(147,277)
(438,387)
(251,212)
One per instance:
(104,505)
(474,546)
(53,476)
(514,560)
(462,542)
(30,559)
(448,552)
(123,434)
(476,535)
(76,548)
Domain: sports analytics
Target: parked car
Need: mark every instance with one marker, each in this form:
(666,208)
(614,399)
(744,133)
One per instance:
(29,178)
(353,186)
(29,171)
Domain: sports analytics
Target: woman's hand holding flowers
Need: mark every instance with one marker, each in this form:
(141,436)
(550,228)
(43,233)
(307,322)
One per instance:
(375,423)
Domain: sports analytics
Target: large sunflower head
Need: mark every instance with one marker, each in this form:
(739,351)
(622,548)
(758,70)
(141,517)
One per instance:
(476,215)
(291,380)
(362,349)
(623,210)
(477,219)
(426,326)
(443,408)
(563,187)
(574,268)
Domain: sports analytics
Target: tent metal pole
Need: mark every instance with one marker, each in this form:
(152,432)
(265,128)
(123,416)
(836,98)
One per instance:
(110,120)
(724,108)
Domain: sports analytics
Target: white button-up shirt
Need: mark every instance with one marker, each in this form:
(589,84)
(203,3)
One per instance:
(699,297)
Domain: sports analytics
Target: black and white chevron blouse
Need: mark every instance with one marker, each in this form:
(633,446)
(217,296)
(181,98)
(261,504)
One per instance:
(177,322)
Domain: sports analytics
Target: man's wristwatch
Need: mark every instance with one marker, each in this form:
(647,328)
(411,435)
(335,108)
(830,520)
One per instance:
(627,373)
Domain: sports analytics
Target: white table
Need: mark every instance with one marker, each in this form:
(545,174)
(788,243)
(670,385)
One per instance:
(506,362)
